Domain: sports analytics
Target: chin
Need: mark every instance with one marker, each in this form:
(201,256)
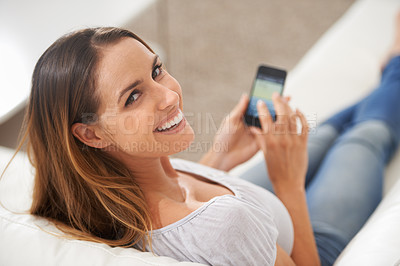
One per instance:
(182,145)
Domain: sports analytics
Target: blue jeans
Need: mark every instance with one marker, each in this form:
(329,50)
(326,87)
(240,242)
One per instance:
(347,157)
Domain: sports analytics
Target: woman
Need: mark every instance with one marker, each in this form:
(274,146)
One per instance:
(104,115)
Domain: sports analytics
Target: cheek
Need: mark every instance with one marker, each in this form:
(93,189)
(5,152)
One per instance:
(139,124)
(130,123)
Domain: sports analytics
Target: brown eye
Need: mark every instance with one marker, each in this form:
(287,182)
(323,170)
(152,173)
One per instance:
(132,97)
(157,71)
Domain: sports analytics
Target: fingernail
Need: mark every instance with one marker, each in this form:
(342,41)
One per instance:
(260,102)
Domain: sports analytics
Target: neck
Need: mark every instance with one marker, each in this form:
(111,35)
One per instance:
(157,178)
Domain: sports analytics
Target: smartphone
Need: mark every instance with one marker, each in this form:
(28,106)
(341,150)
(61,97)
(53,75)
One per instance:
(268,80)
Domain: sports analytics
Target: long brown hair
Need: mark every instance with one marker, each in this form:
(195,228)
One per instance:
(88,194)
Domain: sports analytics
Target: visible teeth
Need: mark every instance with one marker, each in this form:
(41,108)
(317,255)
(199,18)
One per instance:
(176,120)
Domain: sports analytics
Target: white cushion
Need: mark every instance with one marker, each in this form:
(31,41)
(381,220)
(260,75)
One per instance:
(27,240)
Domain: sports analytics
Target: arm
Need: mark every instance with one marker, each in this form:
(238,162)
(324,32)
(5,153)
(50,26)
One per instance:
(282,258)
(304,248)
(214,160)
(285,153)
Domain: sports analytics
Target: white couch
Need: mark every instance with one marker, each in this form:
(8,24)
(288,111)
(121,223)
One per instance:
(340,68)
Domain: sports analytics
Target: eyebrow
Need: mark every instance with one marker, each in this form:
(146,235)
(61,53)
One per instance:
(137,82)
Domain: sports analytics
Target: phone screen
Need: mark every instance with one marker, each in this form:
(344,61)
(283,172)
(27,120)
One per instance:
(268,80)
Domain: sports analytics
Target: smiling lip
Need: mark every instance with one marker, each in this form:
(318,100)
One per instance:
(179,127)
(169,117)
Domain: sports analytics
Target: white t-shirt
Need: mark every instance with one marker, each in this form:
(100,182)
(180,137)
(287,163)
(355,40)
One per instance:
(240,229)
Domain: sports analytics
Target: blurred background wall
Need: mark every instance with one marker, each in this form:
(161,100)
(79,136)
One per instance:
(213,47)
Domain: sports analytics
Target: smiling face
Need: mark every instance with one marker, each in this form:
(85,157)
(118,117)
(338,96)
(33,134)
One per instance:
(140,112)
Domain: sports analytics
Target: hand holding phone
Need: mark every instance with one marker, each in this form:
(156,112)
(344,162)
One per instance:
(268,80)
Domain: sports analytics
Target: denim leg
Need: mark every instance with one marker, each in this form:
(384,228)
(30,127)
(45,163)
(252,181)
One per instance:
(318,145)
(348,186)
(343,119)
(383,102)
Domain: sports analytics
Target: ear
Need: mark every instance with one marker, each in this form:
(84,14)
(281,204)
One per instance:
(87,135)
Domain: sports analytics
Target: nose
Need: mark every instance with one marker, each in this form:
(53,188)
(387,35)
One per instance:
(168,98)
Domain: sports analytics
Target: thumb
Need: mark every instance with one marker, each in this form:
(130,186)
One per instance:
(241,106)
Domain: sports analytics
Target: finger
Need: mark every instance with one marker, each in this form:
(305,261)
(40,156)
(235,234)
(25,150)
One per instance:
(304,124)
(293,123)
(285,101)
(264,116)
(287,98)
(279,105)
(241,106)
(282,122)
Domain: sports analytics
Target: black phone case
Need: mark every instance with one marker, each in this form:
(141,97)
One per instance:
(270,72)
